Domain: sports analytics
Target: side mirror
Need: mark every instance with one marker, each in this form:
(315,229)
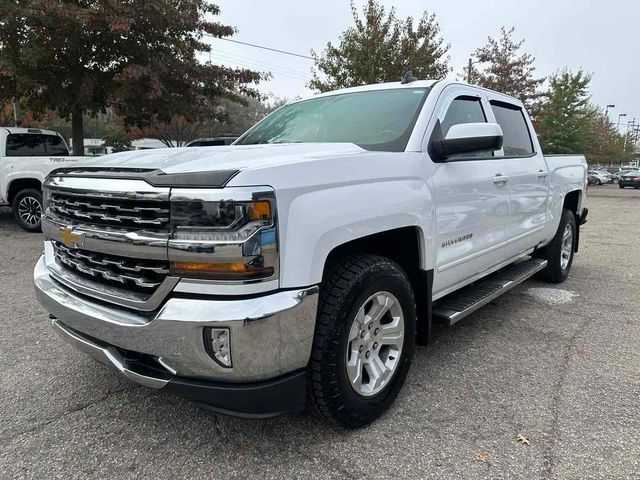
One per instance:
(469,138)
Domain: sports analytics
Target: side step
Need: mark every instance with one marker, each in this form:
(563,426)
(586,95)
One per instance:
(457,305)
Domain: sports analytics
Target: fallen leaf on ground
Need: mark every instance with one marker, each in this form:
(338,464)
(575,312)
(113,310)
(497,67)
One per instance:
(482,457)
(244,447)
(523,440)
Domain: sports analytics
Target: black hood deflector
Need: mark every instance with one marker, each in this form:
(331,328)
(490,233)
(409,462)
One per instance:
(156,178)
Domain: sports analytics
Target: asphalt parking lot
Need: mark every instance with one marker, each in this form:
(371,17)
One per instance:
(559,365)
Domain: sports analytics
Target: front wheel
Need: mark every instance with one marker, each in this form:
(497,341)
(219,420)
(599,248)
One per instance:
(27,209)
(559,252)
(364,340)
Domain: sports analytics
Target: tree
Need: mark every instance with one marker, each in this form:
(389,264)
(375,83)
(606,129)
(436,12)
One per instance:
(232,117)
(569,123)
(119,142)
(381,48)
(80,56)
(564,124)
(507,70)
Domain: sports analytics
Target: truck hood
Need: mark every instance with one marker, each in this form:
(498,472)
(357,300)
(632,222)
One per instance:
(224,158)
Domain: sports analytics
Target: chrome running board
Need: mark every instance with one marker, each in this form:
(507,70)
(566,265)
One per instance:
(457,305)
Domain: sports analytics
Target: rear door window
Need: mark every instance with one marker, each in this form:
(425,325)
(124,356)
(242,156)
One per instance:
(517,139)
(55,146)
(25,145)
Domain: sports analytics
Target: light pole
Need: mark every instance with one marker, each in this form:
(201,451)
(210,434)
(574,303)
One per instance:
(619,116)
(606,110)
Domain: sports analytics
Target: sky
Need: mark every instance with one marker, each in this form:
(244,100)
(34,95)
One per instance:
(596,35)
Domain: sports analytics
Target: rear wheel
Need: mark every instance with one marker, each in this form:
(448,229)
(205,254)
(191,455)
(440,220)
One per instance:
(27,209)
(621,186)
(559,252)
(364,340)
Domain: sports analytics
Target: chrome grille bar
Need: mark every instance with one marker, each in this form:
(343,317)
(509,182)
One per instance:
(113,269)
(115,213)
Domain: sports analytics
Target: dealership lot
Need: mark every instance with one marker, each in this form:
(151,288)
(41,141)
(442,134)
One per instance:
(559,365)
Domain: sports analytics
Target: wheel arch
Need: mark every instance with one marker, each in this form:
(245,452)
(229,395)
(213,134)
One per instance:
(19,184)
(573,202)
(406,247)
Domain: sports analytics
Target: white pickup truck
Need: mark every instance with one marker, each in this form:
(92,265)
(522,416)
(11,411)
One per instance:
(300,265)
(27,155)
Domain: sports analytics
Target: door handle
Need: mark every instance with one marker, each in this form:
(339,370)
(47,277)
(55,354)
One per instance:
(500,179)
(542,173)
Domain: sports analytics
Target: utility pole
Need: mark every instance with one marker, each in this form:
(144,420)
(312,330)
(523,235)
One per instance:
(16,114)
(470,68)
(626,134)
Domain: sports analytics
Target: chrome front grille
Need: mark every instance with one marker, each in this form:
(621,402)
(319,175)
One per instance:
(111,211)
(135,274)
(107,238)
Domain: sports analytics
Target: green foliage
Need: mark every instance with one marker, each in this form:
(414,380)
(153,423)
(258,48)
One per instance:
(507,70)
(569,123)
(380,48)
(138,56)
(565,121)
(119,142)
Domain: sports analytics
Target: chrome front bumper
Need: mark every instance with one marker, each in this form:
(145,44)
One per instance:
(271,335)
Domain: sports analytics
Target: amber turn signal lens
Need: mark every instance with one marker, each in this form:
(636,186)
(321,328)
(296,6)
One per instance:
(220,270)
(260,210)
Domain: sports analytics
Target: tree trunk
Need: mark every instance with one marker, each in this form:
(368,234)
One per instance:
(77,131)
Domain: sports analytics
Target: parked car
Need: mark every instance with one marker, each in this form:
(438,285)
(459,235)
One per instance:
(27,155)
(630,179)
(598,178)
(213,142)
(302,264)
(612,177)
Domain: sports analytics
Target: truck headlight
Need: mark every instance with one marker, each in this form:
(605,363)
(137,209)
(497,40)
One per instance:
(225,235)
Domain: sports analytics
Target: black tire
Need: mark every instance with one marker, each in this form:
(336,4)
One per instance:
(598,181)
(621,186)
(27,209)
(554,271)
(346,287)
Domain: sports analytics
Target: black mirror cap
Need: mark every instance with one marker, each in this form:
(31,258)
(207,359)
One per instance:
(445,148)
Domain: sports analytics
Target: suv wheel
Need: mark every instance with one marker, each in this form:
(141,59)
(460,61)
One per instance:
(559,252)
(364,340)
(27,209)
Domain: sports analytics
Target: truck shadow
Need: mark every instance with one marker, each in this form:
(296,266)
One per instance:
(7,222)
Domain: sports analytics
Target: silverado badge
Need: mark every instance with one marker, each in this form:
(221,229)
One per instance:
(70,238)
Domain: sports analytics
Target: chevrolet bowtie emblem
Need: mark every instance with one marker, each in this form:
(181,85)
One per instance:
(70,238)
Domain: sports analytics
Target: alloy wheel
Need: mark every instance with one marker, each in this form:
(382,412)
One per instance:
(30,210)
(375,343)
(566,248)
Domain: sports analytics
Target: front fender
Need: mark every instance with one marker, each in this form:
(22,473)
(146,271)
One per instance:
(319,221)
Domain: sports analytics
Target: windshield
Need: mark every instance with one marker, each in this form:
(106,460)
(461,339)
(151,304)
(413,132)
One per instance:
(379,120)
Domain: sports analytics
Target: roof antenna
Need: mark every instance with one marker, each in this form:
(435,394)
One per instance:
(408,78)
